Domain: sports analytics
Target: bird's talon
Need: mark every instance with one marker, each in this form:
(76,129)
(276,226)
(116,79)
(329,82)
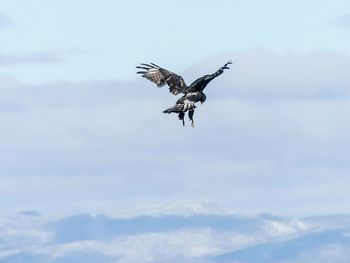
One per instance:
(192,124)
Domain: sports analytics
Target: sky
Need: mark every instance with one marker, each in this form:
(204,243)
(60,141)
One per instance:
(81,132)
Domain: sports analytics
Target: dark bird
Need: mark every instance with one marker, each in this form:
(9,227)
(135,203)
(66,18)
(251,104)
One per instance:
(192,93)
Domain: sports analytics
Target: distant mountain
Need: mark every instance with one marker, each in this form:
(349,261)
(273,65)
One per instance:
(330,221)
(85,227)
(29,213)
(75,257)
(293,249)
(191,238)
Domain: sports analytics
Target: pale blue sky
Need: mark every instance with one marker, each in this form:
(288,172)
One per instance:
(80,131)
(105,39)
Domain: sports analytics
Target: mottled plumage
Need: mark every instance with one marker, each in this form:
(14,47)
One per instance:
(162,76)
(192,94)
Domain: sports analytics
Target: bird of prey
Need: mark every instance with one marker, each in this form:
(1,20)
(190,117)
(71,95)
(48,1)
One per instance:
(191,94)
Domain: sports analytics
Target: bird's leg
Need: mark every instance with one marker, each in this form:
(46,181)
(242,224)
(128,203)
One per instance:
(190,116)
(181,117)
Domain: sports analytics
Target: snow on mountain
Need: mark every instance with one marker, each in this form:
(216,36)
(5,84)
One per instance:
(178,208)
(199,236)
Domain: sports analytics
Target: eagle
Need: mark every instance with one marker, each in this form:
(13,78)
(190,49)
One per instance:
(191,94)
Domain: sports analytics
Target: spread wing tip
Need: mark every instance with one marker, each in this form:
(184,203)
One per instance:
(161,77)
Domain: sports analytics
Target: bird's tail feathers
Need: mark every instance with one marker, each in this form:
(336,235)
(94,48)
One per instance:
(177,108)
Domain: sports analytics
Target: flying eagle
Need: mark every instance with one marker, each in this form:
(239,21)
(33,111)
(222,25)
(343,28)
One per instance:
(192,93)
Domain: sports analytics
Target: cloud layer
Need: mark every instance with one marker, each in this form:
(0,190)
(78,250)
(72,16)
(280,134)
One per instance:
(274,122)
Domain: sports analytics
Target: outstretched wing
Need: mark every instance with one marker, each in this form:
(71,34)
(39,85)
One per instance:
(202,82)
(161,76)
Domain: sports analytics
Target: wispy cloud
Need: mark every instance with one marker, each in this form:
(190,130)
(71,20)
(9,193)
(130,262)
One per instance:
(265,75)
(343,20)
(5,21)
(8,81)
(28,58)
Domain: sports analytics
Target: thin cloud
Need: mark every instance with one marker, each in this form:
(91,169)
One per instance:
(260,74)
(343,20)
(10,60)
(5,21)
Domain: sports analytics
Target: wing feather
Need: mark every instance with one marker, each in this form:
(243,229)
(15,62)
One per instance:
(161,76)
